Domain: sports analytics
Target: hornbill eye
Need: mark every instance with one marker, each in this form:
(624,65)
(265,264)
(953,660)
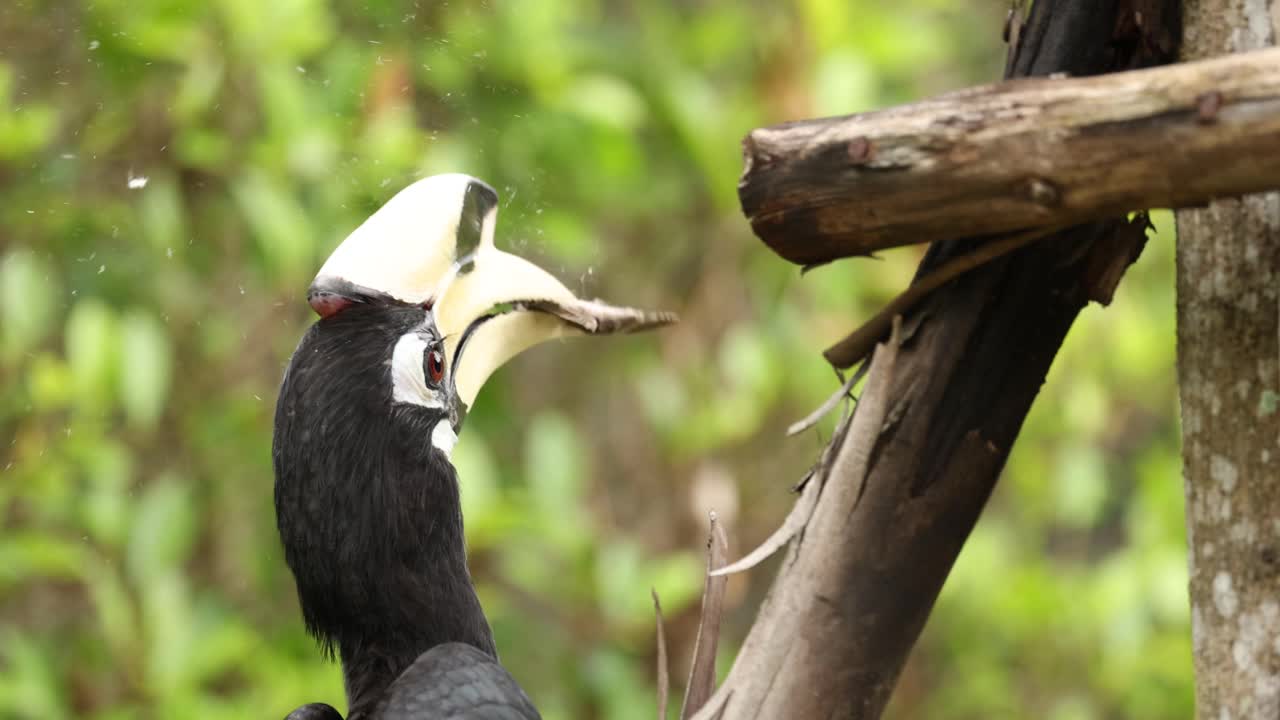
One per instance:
(433,366)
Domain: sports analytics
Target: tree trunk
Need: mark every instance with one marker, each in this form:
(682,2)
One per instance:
(941,409)
(1229,378)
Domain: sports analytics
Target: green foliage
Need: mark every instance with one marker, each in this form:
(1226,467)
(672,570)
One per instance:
(173,173)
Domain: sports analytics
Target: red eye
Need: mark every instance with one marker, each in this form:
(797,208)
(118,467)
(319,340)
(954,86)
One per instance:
(434,367)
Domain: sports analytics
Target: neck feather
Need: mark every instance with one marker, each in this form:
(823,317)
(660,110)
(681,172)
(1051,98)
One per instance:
(371,521)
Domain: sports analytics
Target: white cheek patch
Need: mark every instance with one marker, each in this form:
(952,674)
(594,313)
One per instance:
(408,385)
(443,437)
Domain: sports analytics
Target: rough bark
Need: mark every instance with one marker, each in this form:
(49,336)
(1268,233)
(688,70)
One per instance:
(1019,154)
(1229,385)
(909,479)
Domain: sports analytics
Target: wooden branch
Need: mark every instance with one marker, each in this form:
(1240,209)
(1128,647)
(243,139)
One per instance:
(939,413)
(1016,155)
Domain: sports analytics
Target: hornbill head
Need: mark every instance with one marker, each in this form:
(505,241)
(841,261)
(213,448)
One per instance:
(417,308)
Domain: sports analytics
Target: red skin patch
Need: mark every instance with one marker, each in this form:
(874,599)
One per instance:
(328,304)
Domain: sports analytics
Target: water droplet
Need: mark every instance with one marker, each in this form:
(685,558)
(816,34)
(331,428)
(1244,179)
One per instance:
(102,269)
(94,44)
(137,182)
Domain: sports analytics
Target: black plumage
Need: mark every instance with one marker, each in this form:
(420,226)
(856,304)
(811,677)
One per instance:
(456,681)
(369,515)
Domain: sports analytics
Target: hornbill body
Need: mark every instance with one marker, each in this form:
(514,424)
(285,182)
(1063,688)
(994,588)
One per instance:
(417,308)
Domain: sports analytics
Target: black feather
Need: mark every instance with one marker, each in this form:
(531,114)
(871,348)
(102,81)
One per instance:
(455,682)
(368,510)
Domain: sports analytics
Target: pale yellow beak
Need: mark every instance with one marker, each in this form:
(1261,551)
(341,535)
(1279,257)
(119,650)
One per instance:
(433,244)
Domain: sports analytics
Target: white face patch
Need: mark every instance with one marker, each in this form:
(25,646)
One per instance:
(408,384)
(443,437)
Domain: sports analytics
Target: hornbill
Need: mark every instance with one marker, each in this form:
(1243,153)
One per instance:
(417,308)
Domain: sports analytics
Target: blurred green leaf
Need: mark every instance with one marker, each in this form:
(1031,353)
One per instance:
(50,384)
(554,473)
(164,529)
(617,685)
(145,368)
(24,127)
(92,348)
(25,557)
(1080,486)
(281,227)
(607,100)
(172,647)
(28,291)
(162,216)
(488,519)
(107,505)
(222,643)
(844,83)
(29,687)
(117,621)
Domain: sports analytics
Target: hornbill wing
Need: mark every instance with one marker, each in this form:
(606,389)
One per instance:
(315,711)
(455,681)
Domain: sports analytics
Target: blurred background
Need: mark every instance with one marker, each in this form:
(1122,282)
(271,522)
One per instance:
(173,173)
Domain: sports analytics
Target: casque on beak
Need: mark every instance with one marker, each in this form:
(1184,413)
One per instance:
(432,244)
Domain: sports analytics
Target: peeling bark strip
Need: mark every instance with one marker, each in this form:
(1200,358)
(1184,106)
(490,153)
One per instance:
(1229,384)
(702,674)
(802,614)
(1021,154)
(928,440)
(664,671)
